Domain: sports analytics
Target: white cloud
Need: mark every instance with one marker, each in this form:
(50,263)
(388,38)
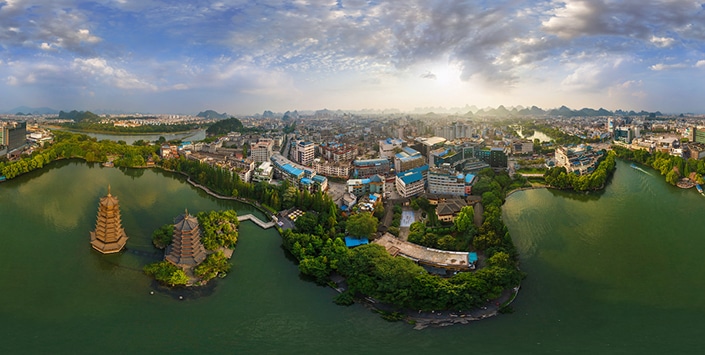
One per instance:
(662,41)
(700,64)
(118,77)
(663,66)
(11,80)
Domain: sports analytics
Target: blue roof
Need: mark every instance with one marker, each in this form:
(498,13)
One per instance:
(410,151)
(366,181)
(353,242)
(469,178)
(319,178)
(373,198)
(292,170)
(368,162)
(375,178)
(419,170)
(410,177)
(472,257)
(306,181)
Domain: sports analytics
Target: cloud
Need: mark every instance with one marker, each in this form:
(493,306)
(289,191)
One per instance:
(662,66)
(428,75)
(700,64)
(662,41)
(118,77)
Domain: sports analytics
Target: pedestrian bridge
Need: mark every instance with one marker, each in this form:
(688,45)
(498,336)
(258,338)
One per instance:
(250,217)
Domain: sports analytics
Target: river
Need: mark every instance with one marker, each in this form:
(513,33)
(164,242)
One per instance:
(196,135)
(617,272)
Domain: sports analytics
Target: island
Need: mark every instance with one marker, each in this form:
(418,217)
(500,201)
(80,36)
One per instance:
(197,248)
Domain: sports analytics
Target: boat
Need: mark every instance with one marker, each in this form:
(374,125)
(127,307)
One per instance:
(3,178)
(700,189)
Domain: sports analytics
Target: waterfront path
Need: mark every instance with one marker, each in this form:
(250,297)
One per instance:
(247,217)
(250,217)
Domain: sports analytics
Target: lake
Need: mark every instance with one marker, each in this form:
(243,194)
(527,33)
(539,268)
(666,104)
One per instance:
(615,272)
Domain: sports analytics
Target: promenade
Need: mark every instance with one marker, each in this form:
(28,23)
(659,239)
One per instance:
(250,217)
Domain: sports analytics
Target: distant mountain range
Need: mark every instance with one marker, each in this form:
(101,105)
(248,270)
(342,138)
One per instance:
(33,111)
(562,111)
(467,111)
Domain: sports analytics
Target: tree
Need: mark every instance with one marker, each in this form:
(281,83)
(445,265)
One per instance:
(465,219)
(162,236)
(361,225)
(306,223)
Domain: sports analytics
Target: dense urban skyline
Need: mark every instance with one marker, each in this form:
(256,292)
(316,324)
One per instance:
(243,57)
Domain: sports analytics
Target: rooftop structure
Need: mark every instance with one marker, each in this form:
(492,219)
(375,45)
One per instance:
(411,182)
(262,150)
(109,236)
(360,187)
(444,180)
(368,167)
(408,158)
(186,249)
(387,147)
(451,260)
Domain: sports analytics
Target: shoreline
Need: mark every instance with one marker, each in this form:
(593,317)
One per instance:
(118,133)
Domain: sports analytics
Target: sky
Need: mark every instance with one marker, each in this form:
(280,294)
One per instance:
(244,57)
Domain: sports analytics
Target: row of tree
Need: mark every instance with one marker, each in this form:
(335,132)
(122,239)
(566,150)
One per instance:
(72,145)
(671,166)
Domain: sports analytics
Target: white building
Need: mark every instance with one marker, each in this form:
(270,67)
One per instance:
(302,152)
(387,147)
(410,183)
(445,180)
(263,172)
(262,150)
(341,170)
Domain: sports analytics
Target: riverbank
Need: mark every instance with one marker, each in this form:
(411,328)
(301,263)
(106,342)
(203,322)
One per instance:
(117,133)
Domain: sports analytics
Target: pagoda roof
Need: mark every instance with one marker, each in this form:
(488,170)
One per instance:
(186,222)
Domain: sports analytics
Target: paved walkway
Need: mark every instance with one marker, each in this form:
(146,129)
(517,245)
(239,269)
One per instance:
(250,217)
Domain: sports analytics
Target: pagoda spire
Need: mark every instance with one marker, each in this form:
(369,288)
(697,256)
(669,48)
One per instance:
(108,236)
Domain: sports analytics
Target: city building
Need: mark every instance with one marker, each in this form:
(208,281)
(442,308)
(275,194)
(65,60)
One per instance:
(261,151)
(186,249)
(244,168)
(581,160)
(302,152)
(263,172)
(411,182)
(522,147)
(407,159)
(332,169)
(373,184)
(444,180)
(109,236)
(448,209)
(368,167)
(390,146)
(338,152)
(496,157)
(426,144)
(13,135)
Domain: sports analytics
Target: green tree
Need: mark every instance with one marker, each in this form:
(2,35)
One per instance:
(162,236)
(361,225)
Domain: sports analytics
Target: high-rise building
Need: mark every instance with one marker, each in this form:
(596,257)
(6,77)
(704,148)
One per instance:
(186,249)
(261,151)
(302,152)
(14,135)
(109,236)
(363,168)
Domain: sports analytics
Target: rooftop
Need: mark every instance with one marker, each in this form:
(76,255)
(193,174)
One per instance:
(423,255)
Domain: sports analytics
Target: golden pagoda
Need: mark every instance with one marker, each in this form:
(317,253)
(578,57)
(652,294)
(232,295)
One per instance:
(186,249)
(108,236)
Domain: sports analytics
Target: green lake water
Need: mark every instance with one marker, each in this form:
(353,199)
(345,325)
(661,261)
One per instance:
(619,272)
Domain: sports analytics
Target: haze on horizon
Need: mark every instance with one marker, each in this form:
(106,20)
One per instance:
(244,57)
